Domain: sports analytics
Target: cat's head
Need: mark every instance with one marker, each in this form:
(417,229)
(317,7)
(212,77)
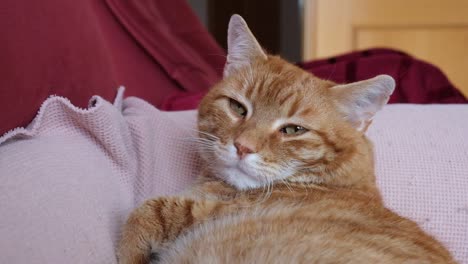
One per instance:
(269,121)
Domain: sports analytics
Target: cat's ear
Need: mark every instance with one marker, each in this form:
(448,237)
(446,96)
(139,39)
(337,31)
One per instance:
(242,45)
(359,101)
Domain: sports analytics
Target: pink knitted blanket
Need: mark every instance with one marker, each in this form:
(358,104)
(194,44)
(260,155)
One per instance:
(70,178)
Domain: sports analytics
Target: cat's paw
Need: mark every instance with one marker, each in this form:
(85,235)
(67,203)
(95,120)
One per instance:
(156,223)
(128,256)
(146,230)
(136,242)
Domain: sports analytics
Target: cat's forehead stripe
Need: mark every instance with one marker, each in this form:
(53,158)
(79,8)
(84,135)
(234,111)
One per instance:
(261,87)
(250,89)
(294,107)
(285,97)
(306,111)
(275,93)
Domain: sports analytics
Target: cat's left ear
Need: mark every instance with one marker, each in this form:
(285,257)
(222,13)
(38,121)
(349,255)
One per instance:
(359,101)
(242,46)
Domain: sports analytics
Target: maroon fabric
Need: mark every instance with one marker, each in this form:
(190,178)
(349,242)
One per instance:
(80,48)
(418,82)
(174,38)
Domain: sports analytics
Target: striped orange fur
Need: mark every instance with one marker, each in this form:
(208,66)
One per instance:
(288,176)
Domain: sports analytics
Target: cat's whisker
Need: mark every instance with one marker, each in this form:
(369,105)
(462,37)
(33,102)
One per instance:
(270,183)
(314,167)
(203,148)
(193,141)
(287,185)
(263,196)
(209,135)
(208,138)
(203,143)
(204,133)
(267,189)
(193,138)
(260,197)
(200,140)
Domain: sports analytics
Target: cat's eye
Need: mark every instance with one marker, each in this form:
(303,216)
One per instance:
(293,130)
(237,107)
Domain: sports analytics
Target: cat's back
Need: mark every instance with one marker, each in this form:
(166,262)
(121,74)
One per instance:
(317,228)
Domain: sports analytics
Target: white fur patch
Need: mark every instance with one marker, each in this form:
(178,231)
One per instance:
(278,123)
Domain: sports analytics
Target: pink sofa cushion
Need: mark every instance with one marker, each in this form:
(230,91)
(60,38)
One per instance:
(72,176)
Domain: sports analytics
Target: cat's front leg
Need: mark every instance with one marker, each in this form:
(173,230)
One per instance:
(159,221)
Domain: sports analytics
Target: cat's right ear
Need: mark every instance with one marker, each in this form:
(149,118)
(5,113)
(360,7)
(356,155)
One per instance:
(242,46)
(360,101)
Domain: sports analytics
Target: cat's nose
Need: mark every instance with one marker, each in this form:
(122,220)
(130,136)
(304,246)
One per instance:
(242,150)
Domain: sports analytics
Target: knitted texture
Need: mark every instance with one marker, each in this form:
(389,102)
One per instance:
(71,177)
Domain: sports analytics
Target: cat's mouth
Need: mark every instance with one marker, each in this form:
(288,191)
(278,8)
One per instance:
(241,175)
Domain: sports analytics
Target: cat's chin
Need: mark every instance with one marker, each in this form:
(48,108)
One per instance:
(240,179)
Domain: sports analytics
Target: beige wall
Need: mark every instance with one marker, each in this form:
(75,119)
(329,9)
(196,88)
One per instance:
(433,30)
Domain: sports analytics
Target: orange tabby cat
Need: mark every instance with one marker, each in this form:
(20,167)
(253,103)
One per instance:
(289,175)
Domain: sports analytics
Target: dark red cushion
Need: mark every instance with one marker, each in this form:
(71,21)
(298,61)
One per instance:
(418,82)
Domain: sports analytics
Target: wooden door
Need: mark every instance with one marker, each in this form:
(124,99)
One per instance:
(433,30)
